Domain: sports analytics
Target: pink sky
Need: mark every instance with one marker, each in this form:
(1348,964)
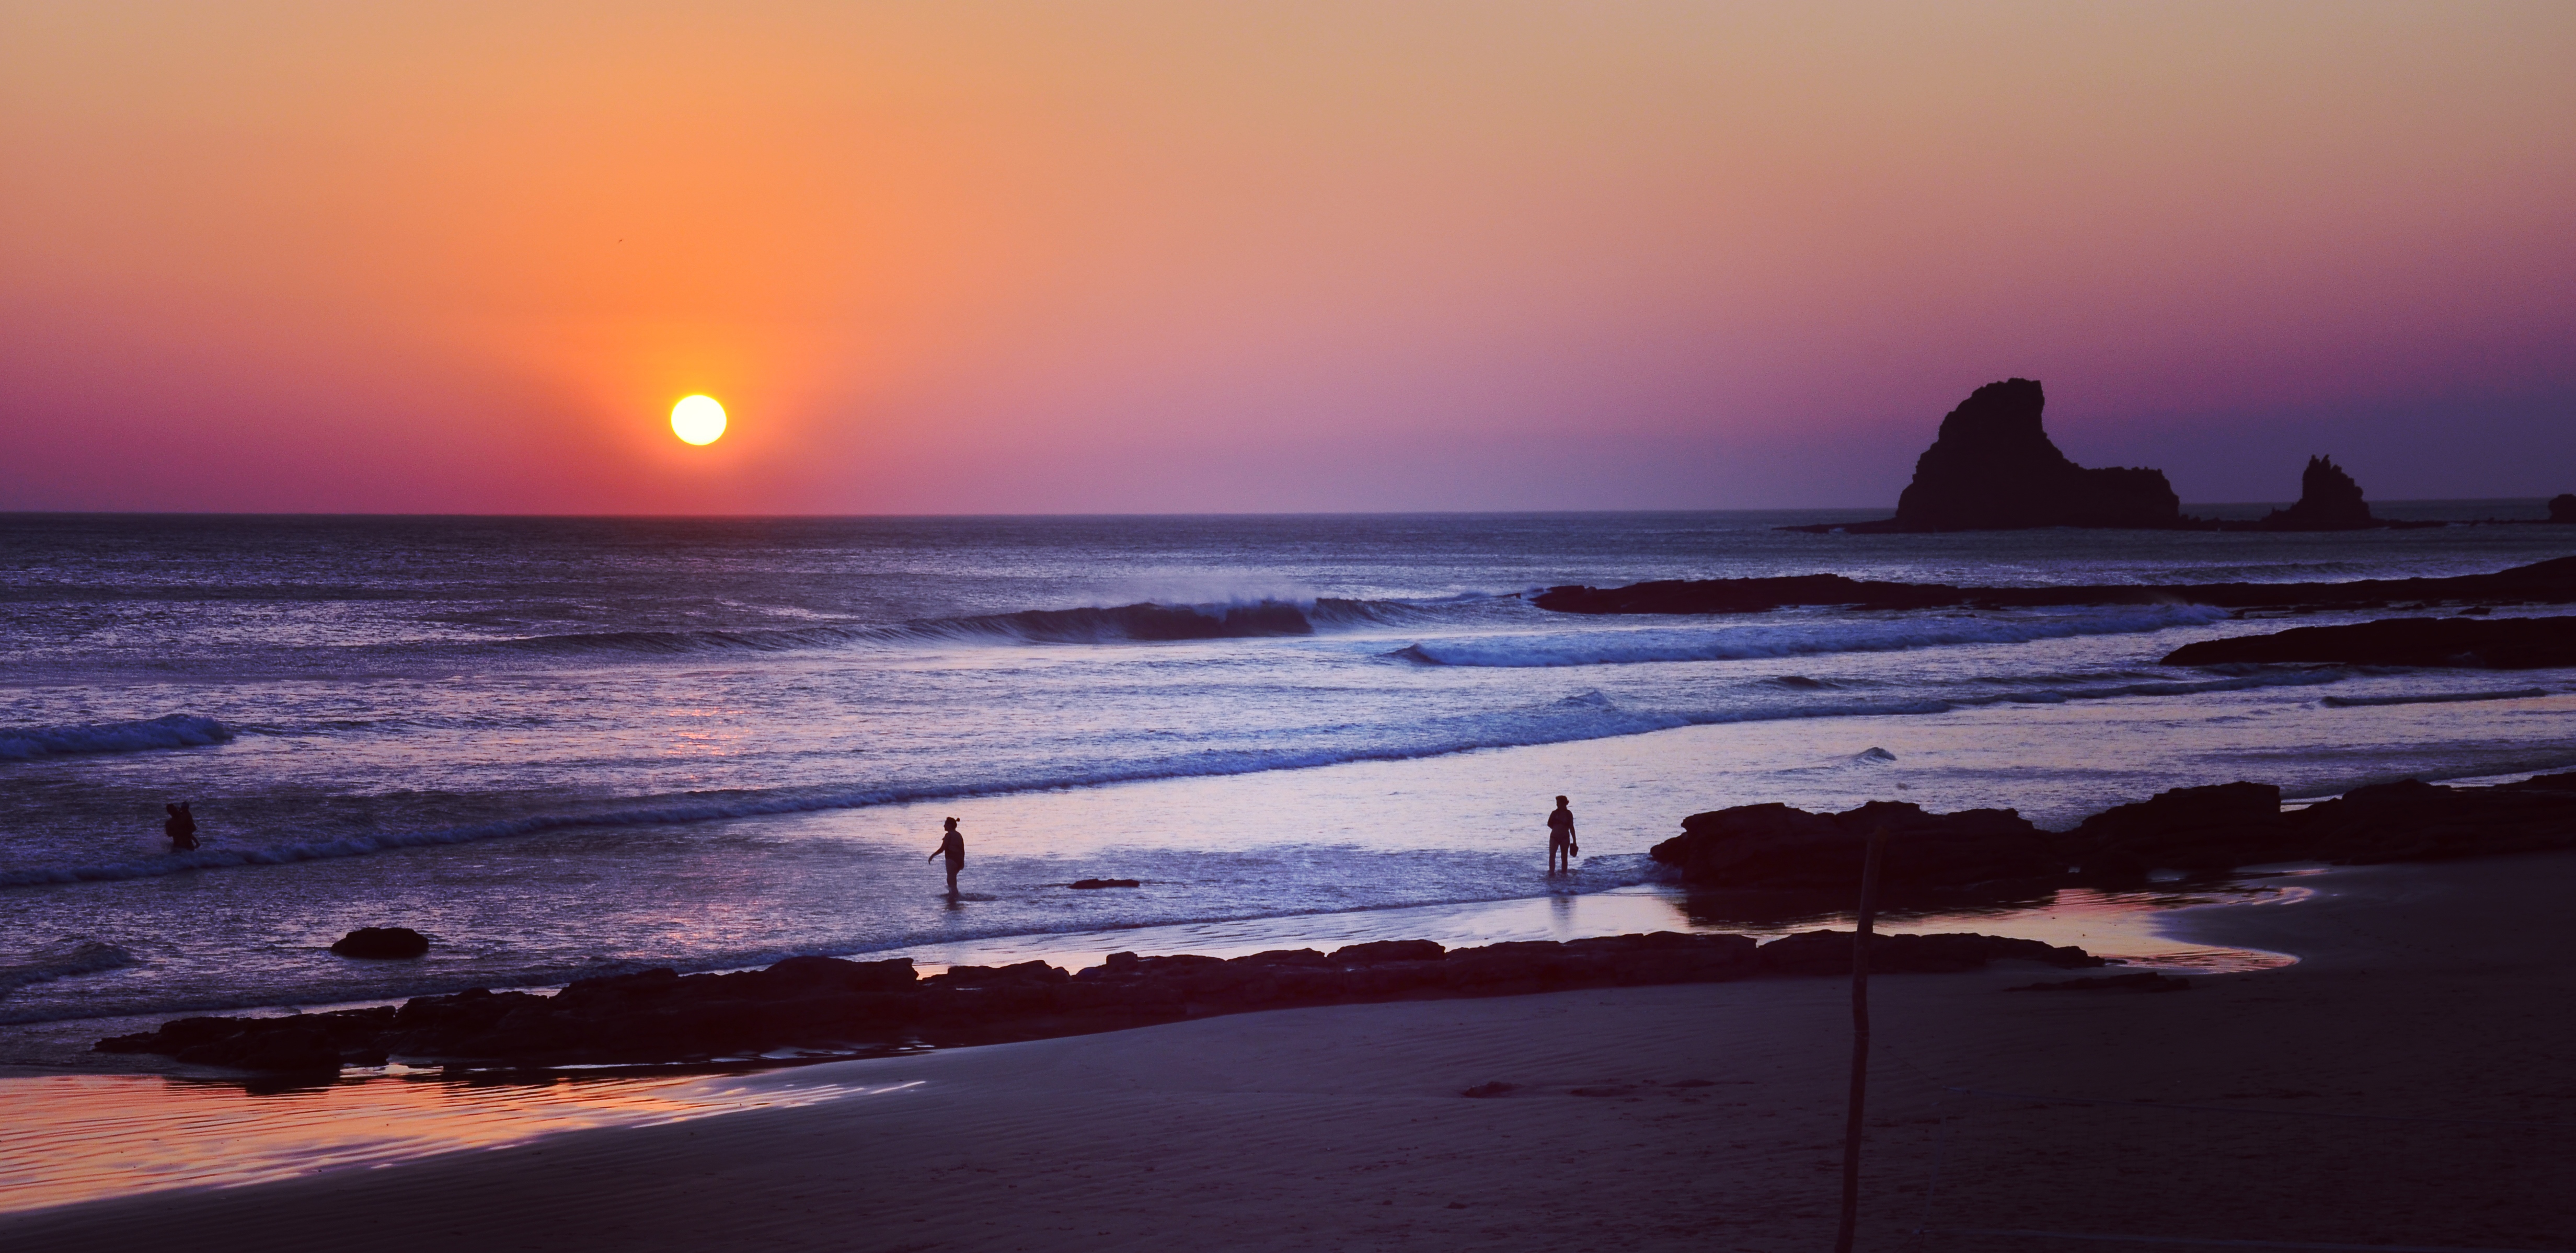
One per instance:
(1319,256)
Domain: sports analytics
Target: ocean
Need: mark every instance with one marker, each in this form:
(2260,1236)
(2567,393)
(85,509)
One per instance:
(565,747)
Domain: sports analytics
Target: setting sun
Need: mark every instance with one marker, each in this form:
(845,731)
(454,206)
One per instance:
(698,419)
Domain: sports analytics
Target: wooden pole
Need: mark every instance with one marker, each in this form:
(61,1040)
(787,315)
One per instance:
(1860,1039)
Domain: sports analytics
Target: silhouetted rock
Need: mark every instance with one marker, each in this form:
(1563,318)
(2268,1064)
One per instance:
(2550,582)
(382,942)
(2188,828)
(1993,468)
(1774,848)
(1830,953)
(2486,644)
(2562,507)
(296,1043)
(1088,884)
(2415,821)
(818,1003)
(2328,501)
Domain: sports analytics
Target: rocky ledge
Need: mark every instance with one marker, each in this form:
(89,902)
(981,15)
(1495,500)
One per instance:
(1789,859)
(822,1003)
(2476,643)
(2542,583)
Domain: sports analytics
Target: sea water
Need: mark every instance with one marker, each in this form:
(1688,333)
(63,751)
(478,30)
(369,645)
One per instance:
(565,747)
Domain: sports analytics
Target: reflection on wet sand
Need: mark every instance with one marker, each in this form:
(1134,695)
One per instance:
(75,1138)
(2127,926)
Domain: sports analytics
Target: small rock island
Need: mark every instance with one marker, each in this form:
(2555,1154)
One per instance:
(2328,501)
(1993,468)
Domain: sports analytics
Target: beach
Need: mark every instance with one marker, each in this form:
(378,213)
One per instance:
(1661,1117)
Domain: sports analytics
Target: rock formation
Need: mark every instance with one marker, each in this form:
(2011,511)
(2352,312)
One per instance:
(2189,828)
(825,1003)
(2471,643)
(2562,507)
(2328,501)
(1992,468)
(1995,855)
(1930,857)
(381,942)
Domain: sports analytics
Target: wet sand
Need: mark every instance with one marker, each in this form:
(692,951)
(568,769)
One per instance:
(1701,1116)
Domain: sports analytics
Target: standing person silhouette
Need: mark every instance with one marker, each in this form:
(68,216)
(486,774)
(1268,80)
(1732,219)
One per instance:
(952,845)
(1561,849)
(180,826)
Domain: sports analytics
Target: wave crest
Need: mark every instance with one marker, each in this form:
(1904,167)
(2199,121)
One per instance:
(1747,643)
(88,957)
(166,731)
(1143,622)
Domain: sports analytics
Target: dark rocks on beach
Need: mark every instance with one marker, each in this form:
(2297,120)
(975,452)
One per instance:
(382,942)
(2187,828)
(2550,582)
(2490,644)
(1993,468)
(1774,848)
(2415,821)
(823,1003)
(2328,501)
(1753,854)
(2562,507)
(298,1043)
(1088,884)
(1830,953)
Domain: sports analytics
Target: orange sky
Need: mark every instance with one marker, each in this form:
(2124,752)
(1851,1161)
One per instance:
(1148,257)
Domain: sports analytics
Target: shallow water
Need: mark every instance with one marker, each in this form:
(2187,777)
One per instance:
(570,747)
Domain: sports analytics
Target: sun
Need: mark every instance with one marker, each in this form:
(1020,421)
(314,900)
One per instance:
(698,419)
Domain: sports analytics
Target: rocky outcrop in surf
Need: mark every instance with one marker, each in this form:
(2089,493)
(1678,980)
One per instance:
(1980,854)
(2562,507)
(1993,468)
(381,943)
(2469,643)
(2546,582)
(822,1003)
(1792,858)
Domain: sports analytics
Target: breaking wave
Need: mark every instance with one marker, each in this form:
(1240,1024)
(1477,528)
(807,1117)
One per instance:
(2439,698)
(1744,643)
(1145,622)
(88,957)
(1588,716)
(166,731)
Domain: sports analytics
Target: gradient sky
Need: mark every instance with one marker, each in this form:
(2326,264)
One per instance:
(956,257)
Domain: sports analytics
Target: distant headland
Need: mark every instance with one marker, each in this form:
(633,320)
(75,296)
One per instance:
(1992,467)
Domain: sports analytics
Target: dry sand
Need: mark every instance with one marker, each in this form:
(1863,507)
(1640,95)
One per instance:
(1701,1117)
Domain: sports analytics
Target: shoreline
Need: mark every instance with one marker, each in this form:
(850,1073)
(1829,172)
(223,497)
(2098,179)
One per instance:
(1681,1113)
(2121,926)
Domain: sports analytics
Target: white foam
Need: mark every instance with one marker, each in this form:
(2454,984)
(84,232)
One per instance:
(166,731)
(1744,643)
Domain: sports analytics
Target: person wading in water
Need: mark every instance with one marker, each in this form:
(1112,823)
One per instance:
(1561,849)
(952,845)
(180,826)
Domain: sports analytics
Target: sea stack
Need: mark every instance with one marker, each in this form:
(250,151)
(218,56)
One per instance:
(1993,469)
(2562,507)
(2328,501)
